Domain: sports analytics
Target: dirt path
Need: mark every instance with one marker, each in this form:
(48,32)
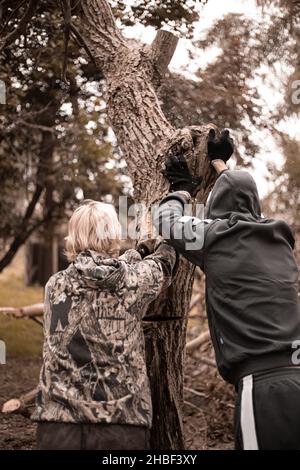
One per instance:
(207,413)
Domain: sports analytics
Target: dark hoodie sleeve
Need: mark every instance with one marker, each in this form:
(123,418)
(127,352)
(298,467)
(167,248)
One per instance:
(185,233)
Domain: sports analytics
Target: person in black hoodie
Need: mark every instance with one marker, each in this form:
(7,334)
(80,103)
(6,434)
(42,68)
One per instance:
(251,294)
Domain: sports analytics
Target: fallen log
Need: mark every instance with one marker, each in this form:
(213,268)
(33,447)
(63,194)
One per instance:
(20,405)
(29,311)
(194,343)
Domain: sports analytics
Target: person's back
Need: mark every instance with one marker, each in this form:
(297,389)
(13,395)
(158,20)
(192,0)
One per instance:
(251,294)
(251,280)
(94,368)
(94,391)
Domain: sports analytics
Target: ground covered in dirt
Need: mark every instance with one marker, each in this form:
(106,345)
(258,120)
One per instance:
(18,376)
(208,405)
(207,409)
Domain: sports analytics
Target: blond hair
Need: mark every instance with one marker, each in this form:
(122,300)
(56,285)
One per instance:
(95,226)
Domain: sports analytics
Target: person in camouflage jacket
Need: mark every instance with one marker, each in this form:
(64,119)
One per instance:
(94,370)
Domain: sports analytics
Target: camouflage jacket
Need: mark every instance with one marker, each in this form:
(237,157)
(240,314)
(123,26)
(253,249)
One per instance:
(93,357)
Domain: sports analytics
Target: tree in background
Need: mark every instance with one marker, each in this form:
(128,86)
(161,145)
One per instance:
(281,37)
(223,91)
(50,132)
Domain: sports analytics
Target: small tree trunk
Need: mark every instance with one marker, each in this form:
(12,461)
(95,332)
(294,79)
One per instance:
(133,72)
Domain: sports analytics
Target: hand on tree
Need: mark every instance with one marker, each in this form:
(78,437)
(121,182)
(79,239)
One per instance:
(220,149)
(179,176)
(146,247)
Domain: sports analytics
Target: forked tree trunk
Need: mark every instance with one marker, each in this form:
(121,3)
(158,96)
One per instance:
(133,72)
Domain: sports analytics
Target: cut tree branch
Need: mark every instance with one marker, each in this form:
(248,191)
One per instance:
(162,50)
(19,405)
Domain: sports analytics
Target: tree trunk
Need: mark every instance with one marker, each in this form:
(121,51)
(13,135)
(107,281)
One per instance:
(133,72)
(28,225)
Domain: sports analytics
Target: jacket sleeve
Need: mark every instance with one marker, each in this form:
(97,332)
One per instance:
(147,278)
(130,256)
(183,232)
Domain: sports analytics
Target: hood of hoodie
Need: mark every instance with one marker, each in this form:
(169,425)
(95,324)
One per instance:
(235,193)
(96,271)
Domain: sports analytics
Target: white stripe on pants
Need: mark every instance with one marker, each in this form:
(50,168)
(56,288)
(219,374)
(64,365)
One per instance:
(247,415)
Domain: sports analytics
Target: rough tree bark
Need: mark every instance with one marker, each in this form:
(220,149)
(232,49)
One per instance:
(133,72)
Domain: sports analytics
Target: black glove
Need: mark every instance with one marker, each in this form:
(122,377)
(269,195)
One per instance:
(146,247)
(179,176)
(220,149)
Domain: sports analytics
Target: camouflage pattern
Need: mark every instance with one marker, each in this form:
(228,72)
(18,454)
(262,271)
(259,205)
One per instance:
(93,357)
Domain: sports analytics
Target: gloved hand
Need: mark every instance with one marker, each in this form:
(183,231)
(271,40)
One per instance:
(146,247)
(179,176)
(220,149)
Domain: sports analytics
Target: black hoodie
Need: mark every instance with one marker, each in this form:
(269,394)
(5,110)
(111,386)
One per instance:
(251,275)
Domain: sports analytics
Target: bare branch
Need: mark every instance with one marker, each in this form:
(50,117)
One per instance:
(21,28)
(195,301)
(38,127)
(81,41)
(12,15)
(66,8)
(195,392)
(195,343)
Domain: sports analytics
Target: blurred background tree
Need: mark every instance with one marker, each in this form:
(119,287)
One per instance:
(281,36)
(54,148)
